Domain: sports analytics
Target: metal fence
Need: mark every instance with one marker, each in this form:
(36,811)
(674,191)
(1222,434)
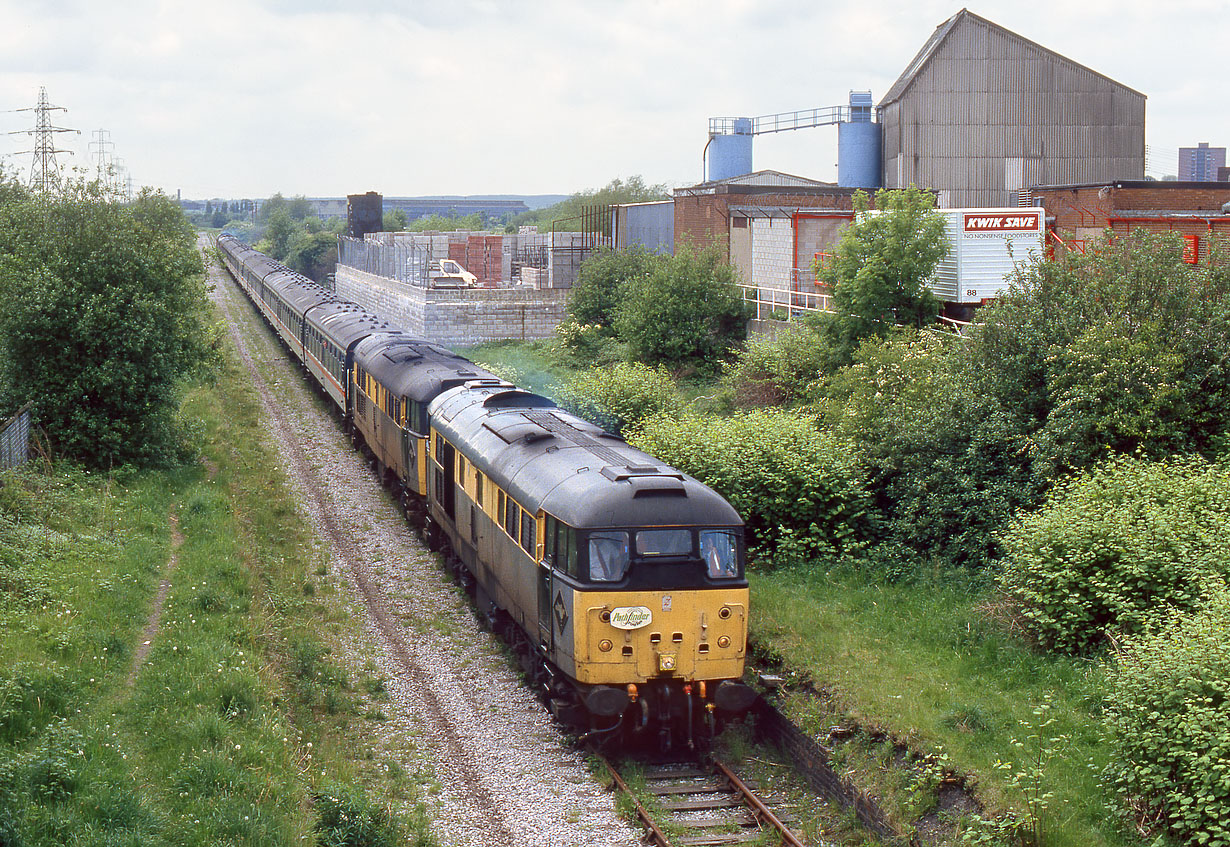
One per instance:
(404,261)
(15,439)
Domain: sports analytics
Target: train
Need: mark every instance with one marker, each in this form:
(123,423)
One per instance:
(617,580)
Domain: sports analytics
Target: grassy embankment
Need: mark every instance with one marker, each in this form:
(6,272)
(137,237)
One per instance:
(931,664)
(239,727)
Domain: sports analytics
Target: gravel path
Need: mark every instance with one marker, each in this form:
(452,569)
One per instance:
(458,716)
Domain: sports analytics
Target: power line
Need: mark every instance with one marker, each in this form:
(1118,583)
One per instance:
(44,172)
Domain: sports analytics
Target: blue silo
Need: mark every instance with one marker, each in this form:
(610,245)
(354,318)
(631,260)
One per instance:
(859,145)
(730,150)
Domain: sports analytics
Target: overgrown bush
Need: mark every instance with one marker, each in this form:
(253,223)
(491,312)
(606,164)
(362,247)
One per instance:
(1119,550)
(1169,719)
(946,465)
(103,320)
(602,283)
(687,313)
(800,491)
(620,396)
(780,369)
(1115,351)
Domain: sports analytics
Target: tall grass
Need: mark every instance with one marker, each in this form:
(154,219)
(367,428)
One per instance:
(238,715)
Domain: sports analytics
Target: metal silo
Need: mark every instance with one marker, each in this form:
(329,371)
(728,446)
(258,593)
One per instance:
(730,147)
(859,144)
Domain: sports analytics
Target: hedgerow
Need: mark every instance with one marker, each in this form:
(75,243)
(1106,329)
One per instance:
(799,490)
(620,396)
(1119,550)
(1169,719)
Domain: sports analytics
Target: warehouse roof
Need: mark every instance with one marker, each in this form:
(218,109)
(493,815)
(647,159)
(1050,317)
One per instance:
(941,34)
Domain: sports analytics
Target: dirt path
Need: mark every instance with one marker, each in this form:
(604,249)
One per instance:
(155,616)
(458,714)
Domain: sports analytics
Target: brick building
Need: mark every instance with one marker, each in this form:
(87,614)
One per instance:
(770,226)
(1078,213)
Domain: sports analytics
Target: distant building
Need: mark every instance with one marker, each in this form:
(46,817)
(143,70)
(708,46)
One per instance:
(1201,163)
(982,114)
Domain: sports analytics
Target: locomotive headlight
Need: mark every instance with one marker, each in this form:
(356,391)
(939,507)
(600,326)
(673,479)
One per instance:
(605,645)
(724,641)
(724,612)
(666,662)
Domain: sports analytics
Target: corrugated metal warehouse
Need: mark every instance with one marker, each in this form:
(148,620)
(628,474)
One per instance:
(982,114)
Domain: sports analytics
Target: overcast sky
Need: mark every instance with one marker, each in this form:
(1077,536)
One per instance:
(410,97)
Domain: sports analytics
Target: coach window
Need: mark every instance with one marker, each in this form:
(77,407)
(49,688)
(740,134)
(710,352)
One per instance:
(511,518)
(478,488)
(461,470)
(608,556)
(529,533)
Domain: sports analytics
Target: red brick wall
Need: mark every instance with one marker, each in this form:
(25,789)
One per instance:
(704,220)
(1094,206)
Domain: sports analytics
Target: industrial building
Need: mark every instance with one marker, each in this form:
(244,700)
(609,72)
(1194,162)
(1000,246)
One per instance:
(1198,211)
(982,113)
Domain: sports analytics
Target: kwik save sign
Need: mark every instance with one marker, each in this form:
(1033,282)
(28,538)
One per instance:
(1018,222)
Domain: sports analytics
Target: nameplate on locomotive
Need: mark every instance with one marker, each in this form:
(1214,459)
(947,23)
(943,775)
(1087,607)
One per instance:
(631,617)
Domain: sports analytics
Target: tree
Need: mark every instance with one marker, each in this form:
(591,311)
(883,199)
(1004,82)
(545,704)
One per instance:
(601,282)
(103,320)
(1120,350)
(632,190)
(278,234)
(687,312)
(882,267)
(395,221)
(313,254)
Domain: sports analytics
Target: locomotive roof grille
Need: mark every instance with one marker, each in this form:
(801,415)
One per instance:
(571,434)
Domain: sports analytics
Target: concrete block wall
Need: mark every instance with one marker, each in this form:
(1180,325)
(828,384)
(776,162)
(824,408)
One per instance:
(457,318)
(772,253)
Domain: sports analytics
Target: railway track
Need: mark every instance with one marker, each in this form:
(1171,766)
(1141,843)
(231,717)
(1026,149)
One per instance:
(702,804)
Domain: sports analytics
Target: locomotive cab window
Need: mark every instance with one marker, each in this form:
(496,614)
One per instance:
(719,549)
(663,542)
(608,556)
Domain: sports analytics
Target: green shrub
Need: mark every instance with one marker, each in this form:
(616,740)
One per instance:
(799,490)
(601,284)
(1119,549)
(585,345)
(779,369)
(687,313)
(347,818)
(620,396)
(947,466)
(1169,721)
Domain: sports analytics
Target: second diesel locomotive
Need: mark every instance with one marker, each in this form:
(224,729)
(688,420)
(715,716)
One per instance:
(618,580)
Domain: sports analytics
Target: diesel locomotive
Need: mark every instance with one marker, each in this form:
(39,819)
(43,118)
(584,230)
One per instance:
(619,581)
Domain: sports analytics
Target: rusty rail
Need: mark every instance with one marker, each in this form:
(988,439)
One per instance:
(758,807)
(654,835)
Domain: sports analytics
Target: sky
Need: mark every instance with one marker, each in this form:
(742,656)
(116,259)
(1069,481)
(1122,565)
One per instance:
(406,97)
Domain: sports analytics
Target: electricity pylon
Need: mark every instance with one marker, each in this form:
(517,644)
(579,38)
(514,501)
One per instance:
(44,172)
